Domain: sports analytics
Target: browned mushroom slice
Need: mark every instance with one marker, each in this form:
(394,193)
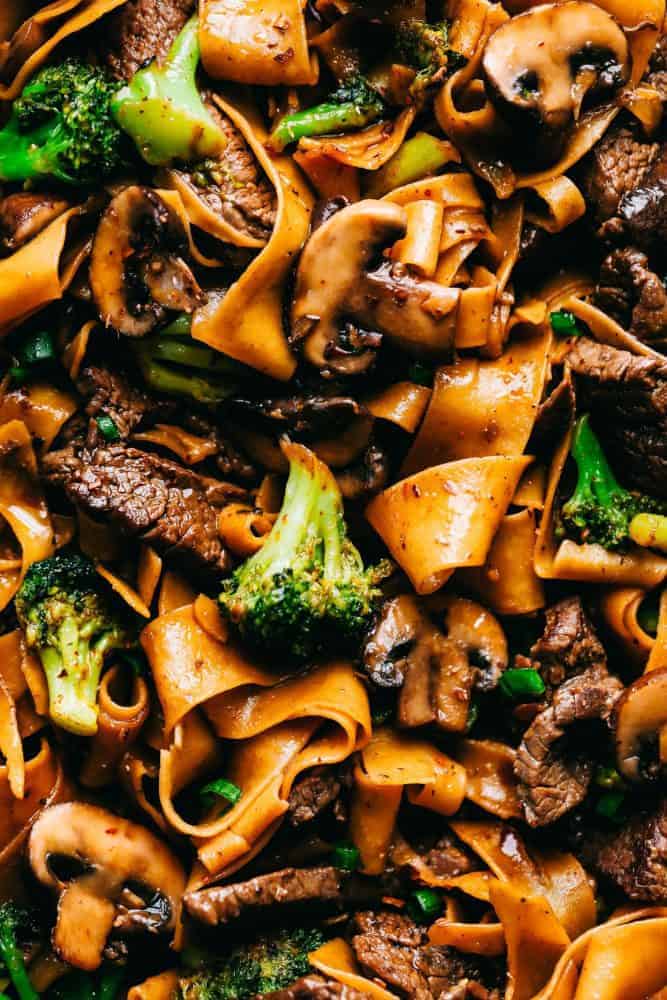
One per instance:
(640,715)
(541,65)
(137,270)
(24,214)
(346,298)
(435,669)
(111,876)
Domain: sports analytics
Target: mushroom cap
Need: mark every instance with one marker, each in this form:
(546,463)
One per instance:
(541,64)
(344,281)
(103,867)
(136,266)
(639,715)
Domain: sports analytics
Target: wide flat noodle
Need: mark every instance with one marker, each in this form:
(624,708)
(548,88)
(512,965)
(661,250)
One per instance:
(368,149)
(43,408)
(507,582)
(23,507)
(336,959)
(245,322)
(190,666)
(446,516)
(82,13)
(481,407)
(256,42)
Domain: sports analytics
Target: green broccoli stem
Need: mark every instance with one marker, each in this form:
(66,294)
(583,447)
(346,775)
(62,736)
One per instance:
(72,675)
(162,111)
(323,119)
(595,477)
(12,956)
(175,382)
(419,157)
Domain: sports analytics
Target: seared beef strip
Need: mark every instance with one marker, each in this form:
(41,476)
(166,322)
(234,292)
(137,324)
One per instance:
(626,395)
(616,165)
(642,211)
(132,408)
(140,31)
(657,70)
(279,893)
(634,857)
(234,186)
(312,794)
(314,988)
(312,414)
(632,294)
(568,645)
(554,773)
(147,496)
(392,947)
(24,214)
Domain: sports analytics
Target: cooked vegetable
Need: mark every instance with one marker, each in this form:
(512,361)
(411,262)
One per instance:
(61,127)
(354,104)
(173,363)
(418,157)
(600,510)
(565,324)
(69,623)
(522,684)
(263,965)
(161,108)
(16,923)
(105,984)
(425,905)
(220,789)
(345,856)
(306,588)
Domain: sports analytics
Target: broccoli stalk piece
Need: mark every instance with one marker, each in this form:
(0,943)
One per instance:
(306,588)
(353,105)
(72,628)
(14,923)
(173,363)
(61,127)
(161,108)
(264,965)
(600,510)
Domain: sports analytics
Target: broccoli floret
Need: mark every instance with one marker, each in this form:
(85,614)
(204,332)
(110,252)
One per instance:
(264,965)
(17,925)
(600,510)
(353,105)
(306,588)
(173,363)
(161,108)
(425,47)
(62,127)
(71,626)
(106,983)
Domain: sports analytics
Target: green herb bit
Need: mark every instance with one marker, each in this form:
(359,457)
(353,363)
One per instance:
(223,789)
(425,905)
(522,685)
(565,324)
(345,856)
(107,428)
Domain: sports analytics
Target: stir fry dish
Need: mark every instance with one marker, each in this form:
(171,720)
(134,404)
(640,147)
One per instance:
(333,500)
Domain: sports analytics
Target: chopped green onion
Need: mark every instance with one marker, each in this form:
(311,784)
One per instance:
(220,788)
(179,327)
(473,714)
(346,856)
(608,777)
(522,685)
(107,428)
(421,373)
(425,905)
(610,806)
(37,349)
(565,324)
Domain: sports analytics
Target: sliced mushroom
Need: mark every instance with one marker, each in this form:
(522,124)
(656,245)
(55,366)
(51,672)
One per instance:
(24,214)
(111,876)
(137,271)
(436,669)
(543,63)
(346,298)
(640,715)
